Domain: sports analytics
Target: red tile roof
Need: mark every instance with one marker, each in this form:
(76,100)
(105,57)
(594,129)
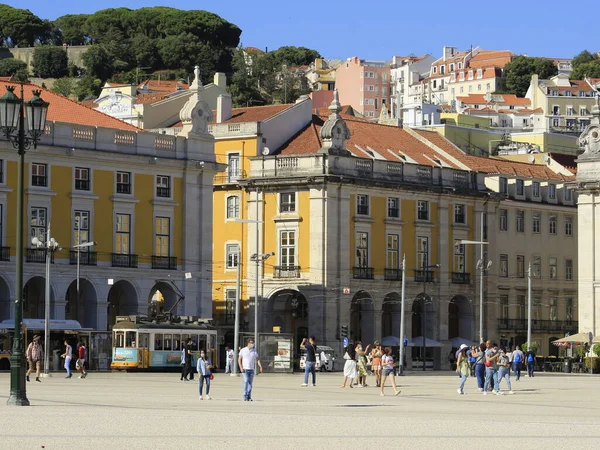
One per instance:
(255,113)
(491,58)
(507,99)
(166,86)
(65,110)
(153,97)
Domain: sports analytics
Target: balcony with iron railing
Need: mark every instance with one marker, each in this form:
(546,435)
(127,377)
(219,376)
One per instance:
(164,262)
(228,177)
(286,272)
(424,276)
(538,326)
(124,260)
(4,253)
(392,274)
(364,273)
(461,278)
(85,258)
(38,255)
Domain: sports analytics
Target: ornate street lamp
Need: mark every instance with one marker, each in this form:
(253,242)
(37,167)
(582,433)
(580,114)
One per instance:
(23,137)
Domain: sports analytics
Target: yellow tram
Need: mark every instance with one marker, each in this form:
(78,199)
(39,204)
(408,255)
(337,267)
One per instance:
(140,343)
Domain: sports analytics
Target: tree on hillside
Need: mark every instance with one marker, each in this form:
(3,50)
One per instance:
(97,62)
(244,87)
(10,66)
(585,64)
(582,58)
(50,62)
(73,28)
(65,86)
(20,27)
(517,73)
(88,87)
(295,56)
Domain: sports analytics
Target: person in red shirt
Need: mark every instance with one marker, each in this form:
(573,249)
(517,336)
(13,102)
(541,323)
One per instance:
(80,364)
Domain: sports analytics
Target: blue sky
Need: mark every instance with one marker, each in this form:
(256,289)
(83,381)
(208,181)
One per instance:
(380,29)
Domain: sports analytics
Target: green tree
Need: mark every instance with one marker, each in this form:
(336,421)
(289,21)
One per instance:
(582,58)
(517,73)
(295,56)
(20,27)
(244,81)
(88,87)
(65,86)
(10,66)
(73,28)
(50,62)
(589,69)
(97,62)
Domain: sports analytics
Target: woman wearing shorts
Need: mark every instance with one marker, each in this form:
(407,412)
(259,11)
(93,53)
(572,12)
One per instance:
(388,369)
(377,353)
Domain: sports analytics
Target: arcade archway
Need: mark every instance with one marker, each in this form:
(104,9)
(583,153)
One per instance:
(288,310)
(122,301)
(34,299)
(390,315)
(5,303)
(362,318)
(83,309)
(460,318)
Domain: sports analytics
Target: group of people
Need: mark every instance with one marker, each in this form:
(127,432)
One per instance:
(492,364)
(35,356)
(357,359)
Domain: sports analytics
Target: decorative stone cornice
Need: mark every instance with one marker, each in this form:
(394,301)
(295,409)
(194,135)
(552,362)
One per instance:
(335,132)
(195,114)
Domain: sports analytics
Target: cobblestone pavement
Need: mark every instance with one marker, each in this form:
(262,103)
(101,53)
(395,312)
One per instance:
(157,411)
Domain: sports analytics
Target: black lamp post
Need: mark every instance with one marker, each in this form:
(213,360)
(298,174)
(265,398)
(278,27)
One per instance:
(22,137)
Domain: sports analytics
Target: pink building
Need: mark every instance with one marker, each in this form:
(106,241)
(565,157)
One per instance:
(364,85)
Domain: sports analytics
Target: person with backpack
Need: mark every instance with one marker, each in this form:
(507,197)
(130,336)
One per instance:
(530,358)
(516,360)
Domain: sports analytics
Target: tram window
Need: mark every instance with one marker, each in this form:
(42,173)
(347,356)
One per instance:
(158,342)
(130,338)
(167,345)
(203,342)
(176,342)
(120,339)
(194,342)
(213,341)
(144,337)
(184,338)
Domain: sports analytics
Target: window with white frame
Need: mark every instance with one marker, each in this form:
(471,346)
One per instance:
(123,182)
(568,226)
(233,167)
(537,307)
(552,191)
(233,207)
(553,309)
(536,267)
(393,207)
(552,263)
(459,257)
(162,239)
(552,225)
(39,175)
(362,204)
(39,223)
(535,186)
(230,296)
(392,259)
(521,266)
(504,307)
(422,210)
(232,255)
(81,228)
(536,222)
(504,266)
(569,308)
(123,234)
(82,179)
(503,185)
(362,249)
(287,249)
(287,202)
(163,186)
(520,221)
(520,187)
(422,252)
(503,220)
(569,269)
(568,194)
(522,309)
(460,213)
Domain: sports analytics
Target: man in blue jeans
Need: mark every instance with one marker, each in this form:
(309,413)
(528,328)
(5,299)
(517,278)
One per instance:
(311,360)
(517,359)
(491,369)
(247,359)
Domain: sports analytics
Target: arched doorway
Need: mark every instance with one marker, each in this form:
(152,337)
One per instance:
(84,308)
(423,323)
(460,318)
(362,318)
(34,299)
(122,301)
(288,310)
(162,299)
(390,315)
(5,303)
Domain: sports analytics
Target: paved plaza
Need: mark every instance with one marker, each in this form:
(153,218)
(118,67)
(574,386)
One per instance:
(157,411)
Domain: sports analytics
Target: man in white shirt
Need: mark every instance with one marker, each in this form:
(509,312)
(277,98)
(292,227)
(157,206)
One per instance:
(246,360)
(229,360)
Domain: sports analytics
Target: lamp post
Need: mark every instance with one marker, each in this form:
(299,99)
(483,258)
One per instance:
(12,124)
(401,355)
(79,246)
(50,246)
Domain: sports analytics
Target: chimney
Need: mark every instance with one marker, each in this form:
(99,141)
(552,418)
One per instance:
(220,80)
(223,108)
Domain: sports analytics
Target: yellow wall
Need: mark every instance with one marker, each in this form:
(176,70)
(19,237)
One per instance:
(103,207)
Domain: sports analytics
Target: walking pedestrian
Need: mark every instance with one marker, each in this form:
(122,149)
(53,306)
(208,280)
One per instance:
(480,366)
(377,355)
(203,366)
(182,361)
(362,364)
(310,362)
(462,367)
(247,359)
(472,359)
(80,363)
(35,355)
(349,365)
(530,358)
(504,369)
(187,361)
(491,369)
(68,355)
(229,360)
(517,359)
(387,362)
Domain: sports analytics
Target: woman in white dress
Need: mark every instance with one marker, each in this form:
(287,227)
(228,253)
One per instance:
(350,365)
